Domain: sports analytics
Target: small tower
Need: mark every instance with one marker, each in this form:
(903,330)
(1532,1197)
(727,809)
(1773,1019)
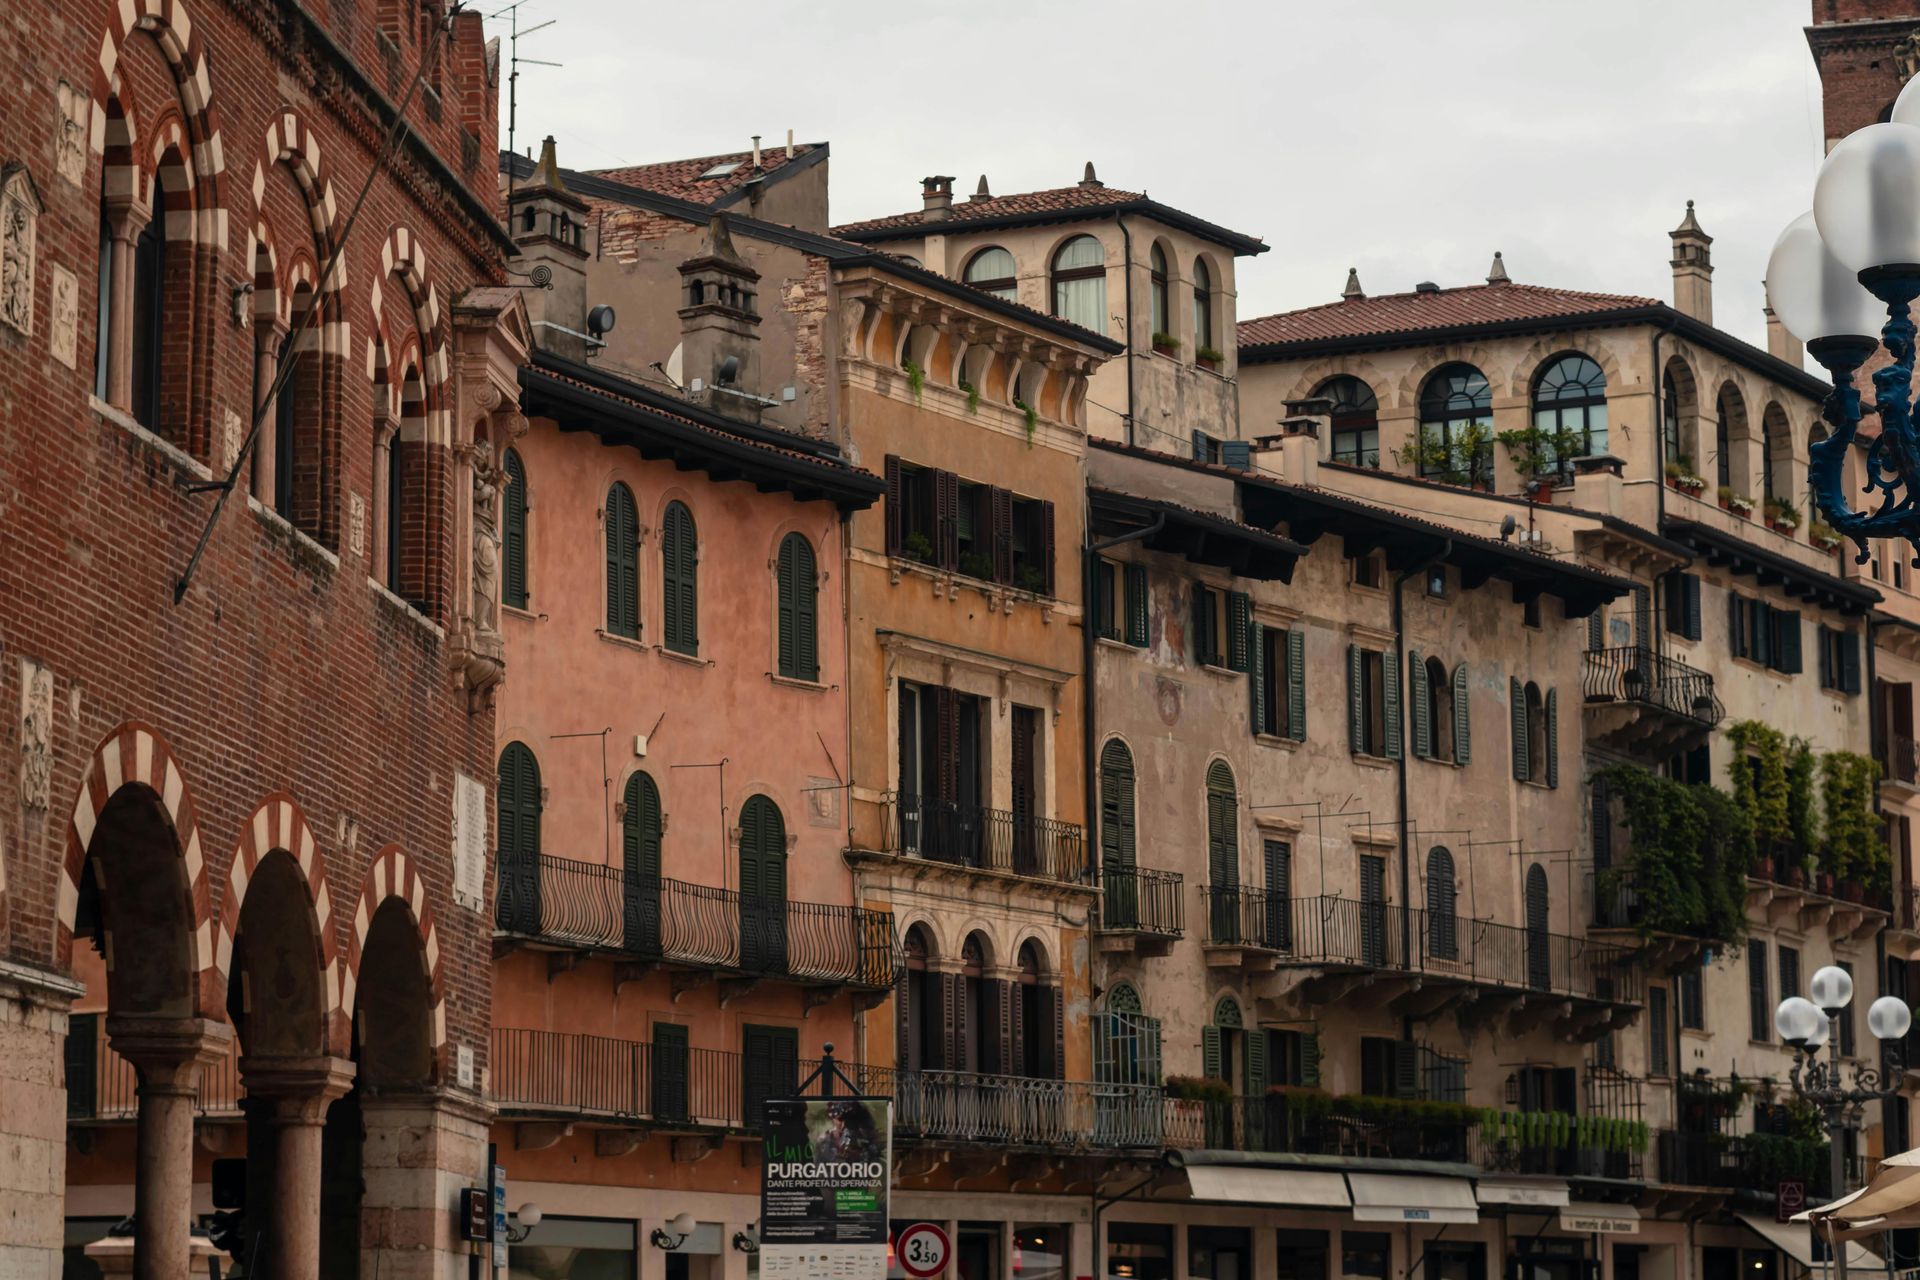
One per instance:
(720,325)
(1497,273)
(1692,269)
(1353,292)
(549,224)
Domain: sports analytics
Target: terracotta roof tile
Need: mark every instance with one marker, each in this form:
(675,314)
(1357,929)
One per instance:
(1396,313)
(1059,200)
(683,178)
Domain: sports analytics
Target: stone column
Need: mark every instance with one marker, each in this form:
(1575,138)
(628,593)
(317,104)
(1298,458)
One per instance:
(266,367)
(128,220)
(33,1122)
(301,1090)
(167,1053)
(422,1146)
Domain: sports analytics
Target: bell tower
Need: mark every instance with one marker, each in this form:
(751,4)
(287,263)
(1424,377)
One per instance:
(1865,51)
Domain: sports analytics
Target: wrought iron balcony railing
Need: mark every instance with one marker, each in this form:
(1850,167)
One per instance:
(1897,758)
(1003,1110)
(1243,916)
(102,1085)
(590,904)
(1021,844)
(1749,1162)
(1139,900)
(1638,674)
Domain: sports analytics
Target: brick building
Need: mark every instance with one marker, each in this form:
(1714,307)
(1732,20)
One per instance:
(1865,50)
(242,871)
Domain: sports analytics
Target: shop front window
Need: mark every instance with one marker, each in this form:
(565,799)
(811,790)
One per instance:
(1219,1253)
(1040,1251)
(580,1248)
(1139,1251)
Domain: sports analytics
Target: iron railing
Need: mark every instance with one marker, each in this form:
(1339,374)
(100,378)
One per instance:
(1750,1162)
(590,904)
(102,1085)
(969,835)
(1897,758)
(1242,916)
(1002,1110)
(1138,900)
(1636,673)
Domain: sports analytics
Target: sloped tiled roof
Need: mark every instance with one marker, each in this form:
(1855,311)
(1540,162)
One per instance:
(684,180)
(1060,204)
(1417,312)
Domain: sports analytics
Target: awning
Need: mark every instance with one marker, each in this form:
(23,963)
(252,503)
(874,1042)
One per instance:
(1890,1200)
(1534,1193)
(1392,1197)
(1600,1219)
(1796,1241)
(1248,1184)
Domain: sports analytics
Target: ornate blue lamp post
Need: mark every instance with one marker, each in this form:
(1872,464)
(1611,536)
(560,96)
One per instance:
(1840,275)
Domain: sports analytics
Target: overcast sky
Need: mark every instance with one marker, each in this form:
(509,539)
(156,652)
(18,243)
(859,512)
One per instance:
(1408,138)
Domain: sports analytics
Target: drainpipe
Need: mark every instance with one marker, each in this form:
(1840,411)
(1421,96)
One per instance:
(1126,239)
(1400,770)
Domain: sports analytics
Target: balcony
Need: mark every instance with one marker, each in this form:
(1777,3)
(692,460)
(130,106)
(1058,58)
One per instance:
(1141,910)
(1754,1162)
(588,906)
(1644,703)
(1897,760)
(978,839)
(1246,927)
(968,1107)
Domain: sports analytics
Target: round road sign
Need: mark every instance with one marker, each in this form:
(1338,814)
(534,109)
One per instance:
(923,1249)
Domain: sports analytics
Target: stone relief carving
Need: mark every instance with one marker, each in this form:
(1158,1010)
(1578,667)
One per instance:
(70,133)
(36,735)
(19,221)
(63,331)
(357,524)
(469,842)
(232,432)
(1906,56)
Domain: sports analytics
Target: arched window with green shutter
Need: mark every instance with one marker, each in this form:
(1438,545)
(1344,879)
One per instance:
(640,829)
(679,591)
(763,887)
(513,532)
(1121,902)
(1443,929)
(797,624)
(1539,950)
(517,831)
(623,563)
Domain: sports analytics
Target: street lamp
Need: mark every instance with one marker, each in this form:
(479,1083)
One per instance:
(1807,1026)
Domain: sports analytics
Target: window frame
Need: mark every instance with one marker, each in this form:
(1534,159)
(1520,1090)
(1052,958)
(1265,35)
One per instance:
(1161,317)
(1203,326)
(620,519)
(1444,413)
(680,579)
(1058,276)
(1581,406)
(1006,288)
(1354,422)
(796,609)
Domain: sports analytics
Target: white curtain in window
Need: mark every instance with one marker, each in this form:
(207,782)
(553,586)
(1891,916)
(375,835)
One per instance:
(1083,300)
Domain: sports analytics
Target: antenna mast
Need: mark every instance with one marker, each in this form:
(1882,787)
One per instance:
(513,71)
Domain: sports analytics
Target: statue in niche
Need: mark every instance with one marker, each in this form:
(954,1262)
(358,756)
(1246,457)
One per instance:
(19,218)
(487,481)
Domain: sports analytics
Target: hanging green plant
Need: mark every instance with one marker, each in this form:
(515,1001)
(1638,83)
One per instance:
(916,378)
(1856,850)
(1692,849)
(1760,758)
(973,396)
(1801,818)
(1033,418)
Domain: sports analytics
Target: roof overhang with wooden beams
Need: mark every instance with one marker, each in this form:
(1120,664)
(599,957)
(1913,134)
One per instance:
(1767,569)
(579,398)
(1198,536)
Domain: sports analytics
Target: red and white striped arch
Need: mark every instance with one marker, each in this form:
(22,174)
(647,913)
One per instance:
(403,257)
(393,875)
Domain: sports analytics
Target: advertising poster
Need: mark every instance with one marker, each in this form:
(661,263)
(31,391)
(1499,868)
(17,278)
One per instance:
(823,1204)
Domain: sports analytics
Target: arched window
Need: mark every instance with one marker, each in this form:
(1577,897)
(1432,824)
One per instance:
(1539,944)
(763,887)
(1080,283)
(410,564)
(281,439)
(1120,905)
(919,1044)
(797,592)
(623,563)
(679,579)
(1223,854)
(517,840)
(1439,709)
(640,831)
(1670,416)
(1202,309)
(1037,1002)
(1157,279)
(1570,410)
(1776,454)
(149,321)
(513,532)
(1456,426)
(1223,1056)
(992,270)
(979,1044)
(1126,1051)
(1123,999)
(1443,941)
(1729,421)
(1356,420)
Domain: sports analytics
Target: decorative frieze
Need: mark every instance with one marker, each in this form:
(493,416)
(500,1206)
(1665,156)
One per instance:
(63,315)
(36,735)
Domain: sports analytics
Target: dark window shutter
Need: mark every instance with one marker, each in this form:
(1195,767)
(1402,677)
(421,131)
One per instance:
(1137,605)
(896,515)
(640,865)
(1237,453)
(1200,440)
(1736,625)
(1596,631)
(1786,643)
(1691,604)
(996,1014)
(82,1065)
(1390,687)
(668,1091)
(1211,1064)
(946,519)
(1657,1031)
(1297,684)
(1759,632)
(1419,694)
(1256,1069)
(513,534)
(784,625)
(1101,604)
(1462,716)
(1239,612)
(1789,972)
(798,612)
(1356,701)
(1310,1059)
(1056,1010)
(1553,737)
(1000,518)
(1850,662)
(1823,638)
(679,554)
(1257,677)
(623,563)
(952,1049)
(1206,645)
(1406,1069)
(1046,545)
(1517,715)
(1757,1011)
(903,1019)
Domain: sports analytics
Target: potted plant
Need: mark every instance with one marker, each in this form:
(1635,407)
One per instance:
(1209,358)
(919,547)
(1823,535)
(1763,867)
(1782,516)
(1538,455)
(1681,476)
(976,564)
(1737,504)
(1166,344)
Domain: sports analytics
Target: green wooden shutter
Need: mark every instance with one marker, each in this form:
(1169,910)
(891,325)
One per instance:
(1296,684)
(623,563)
(1418,691)
(1828,677)
(1759,632)
(1736,625)
(1406,1069)
(1850,662)
(1137,605)
(1690,605)
(1257,676)
(1787,655)
(784,624)
(1596,631)
(1238,614)
(668,1089)
(1517,714)
(896,508)
(1462,717)
(799,644)
(1256,1065)
(1310,1059)
(679,555)
(1101,604)
(1211,1064)
(513,533)
(640,866)
(1390,685)
(1553,737)
(1356,703)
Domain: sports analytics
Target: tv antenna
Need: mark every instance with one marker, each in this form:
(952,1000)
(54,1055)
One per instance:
(513,69)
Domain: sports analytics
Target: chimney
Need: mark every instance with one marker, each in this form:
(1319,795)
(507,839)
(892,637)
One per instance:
(1780,343)
(936,198)
(1353,292)
(1088,180)
(980,192)
(1497,273)
(720,326)
(1692,269)
(1295,452)
(549,223)
(789,144)
(756,151)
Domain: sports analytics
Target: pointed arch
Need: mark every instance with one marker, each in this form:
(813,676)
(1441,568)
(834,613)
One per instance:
(393,876)
(278,823)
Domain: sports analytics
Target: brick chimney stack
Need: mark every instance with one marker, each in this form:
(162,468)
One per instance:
(936,198)
(1692,269)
